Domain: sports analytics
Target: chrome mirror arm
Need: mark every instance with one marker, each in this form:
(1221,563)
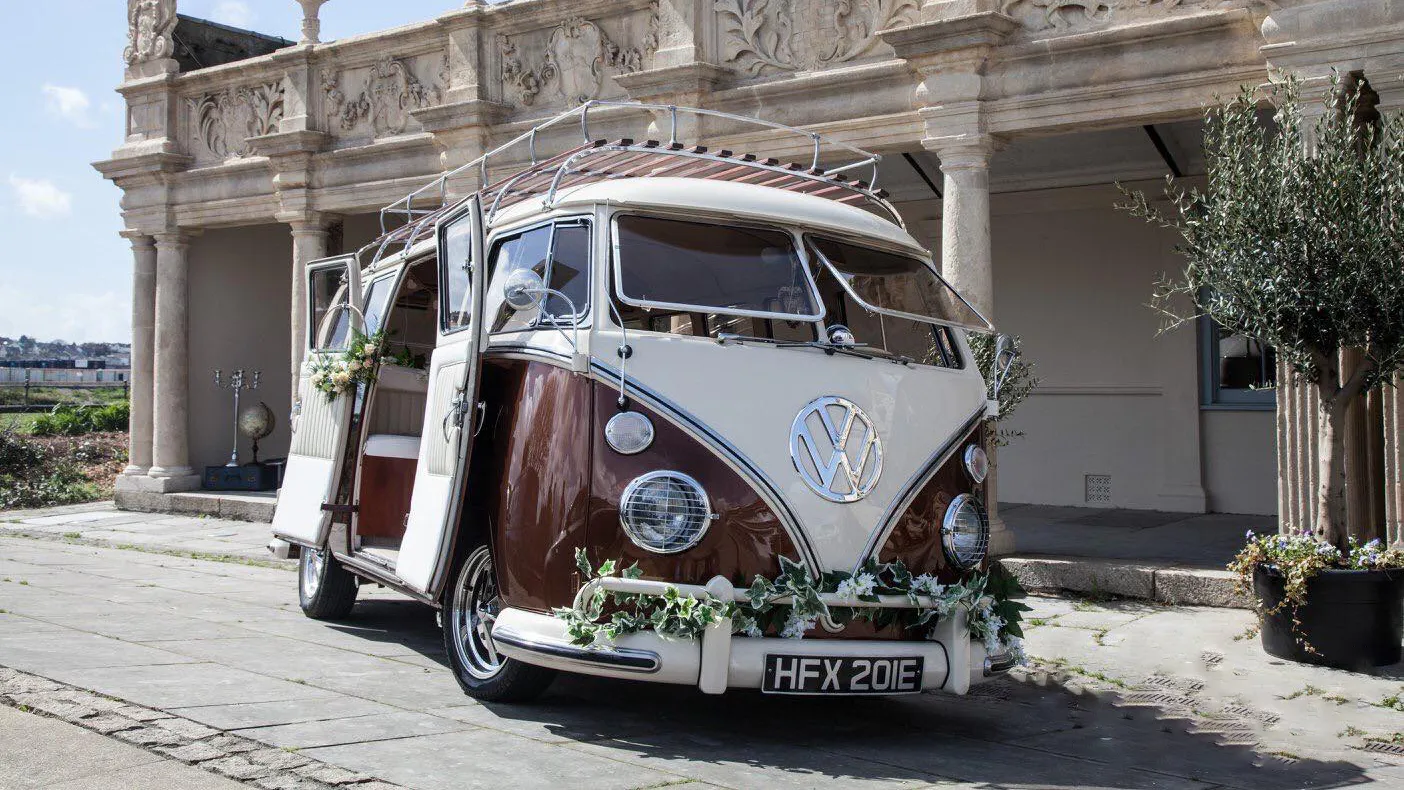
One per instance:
(625,351)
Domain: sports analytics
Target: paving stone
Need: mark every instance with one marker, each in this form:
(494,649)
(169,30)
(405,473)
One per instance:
(277,758)
(233,744)
(193,753)
(1200,588)
(141,714)
(186,729)
(328,774)
(282,781)
(238,767)
(150,736)
(110,723)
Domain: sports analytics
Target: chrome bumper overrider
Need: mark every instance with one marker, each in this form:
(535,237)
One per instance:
(721,660)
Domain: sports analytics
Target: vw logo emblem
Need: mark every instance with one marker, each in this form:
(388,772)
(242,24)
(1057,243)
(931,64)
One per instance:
(836,449)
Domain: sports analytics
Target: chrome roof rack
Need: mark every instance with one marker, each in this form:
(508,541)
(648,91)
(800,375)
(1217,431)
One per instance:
(597,160)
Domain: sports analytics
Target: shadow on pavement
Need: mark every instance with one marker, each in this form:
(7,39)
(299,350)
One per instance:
(1026,732)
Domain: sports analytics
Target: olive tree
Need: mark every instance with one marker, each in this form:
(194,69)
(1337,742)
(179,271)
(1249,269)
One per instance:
(1297,240)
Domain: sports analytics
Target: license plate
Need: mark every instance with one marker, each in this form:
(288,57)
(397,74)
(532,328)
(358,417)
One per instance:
(842,675)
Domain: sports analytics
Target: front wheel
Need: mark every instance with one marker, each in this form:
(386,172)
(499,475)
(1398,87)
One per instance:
(326,590)
(469,610)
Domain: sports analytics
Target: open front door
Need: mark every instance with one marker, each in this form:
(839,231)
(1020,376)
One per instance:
(319,425)
(451,405)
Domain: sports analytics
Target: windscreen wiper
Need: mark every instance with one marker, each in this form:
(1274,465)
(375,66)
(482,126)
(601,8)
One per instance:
(827,348)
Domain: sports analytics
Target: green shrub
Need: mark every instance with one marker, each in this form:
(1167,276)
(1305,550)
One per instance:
(66,420)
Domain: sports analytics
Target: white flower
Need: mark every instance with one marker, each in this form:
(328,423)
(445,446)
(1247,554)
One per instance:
(354,365)
(859,585)
(795,627)
(927,584)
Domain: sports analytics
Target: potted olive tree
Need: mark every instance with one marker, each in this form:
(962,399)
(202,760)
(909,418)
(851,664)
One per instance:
(1297,240)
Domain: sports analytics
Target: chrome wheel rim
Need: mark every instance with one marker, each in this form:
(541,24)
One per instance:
(311,577)
(475,606)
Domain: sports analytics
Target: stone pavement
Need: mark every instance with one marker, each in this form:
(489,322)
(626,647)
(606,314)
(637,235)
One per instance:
(1125,695)
(45,753)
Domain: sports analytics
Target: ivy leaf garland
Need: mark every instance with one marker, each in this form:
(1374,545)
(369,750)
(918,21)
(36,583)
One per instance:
(989,599)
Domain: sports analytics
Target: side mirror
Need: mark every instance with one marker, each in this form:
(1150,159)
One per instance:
(1006,351)
(524,290)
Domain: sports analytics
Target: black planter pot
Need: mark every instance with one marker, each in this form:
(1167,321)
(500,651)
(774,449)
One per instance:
(1353,619)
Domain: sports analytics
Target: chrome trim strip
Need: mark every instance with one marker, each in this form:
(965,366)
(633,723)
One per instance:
(995,665)
(622,658)
(725,450)
(913,486)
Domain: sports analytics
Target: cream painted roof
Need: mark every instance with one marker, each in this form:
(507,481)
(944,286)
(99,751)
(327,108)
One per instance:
(722,197)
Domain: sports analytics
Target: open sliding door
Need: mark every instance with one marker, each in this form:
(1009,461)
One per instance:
(451,405)
(320,424)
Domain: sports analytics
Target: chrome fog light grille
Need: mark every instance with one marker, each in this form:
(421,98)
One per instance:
(665,512)
(965,532)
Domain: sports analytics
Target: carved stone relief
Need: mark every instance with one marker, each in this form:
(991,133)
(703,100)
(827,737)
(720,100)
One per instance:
(149,27)
(763,36)
(222,122)
(390,92)
(573,63)
(1084,14)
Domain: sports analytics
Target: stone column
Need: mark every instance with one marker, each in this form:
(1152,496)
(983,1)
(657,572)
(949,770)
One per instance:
(309,244)
(311,21)
(170,430)
(143,347)
(967,265)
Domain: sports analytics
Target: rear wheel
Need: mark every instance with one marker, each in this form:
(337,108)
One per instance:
(470,607)
(326,590)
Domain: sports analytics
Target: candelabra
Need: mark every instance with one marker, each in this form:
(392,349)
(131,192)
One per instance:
(237,384)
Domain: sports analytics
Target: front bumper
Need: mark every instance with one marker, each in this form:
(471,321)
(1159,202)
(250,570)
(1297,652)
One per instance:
(720,660)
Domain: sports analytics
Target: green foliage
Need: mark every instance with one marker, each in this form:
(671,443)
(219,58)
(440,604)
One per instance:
(30,476)
(790,604)
(1017,388)
(69,420)
(1294,245)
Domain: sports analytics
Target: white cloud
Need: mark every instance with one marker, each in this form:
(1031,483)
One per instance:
(235,13)
(40,198)
(75,317)
(70,104)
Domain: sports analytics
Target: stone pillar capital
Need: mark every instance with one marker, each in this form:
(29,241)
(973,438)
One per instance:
(311,21)
(308,223)
(175,238)
(139,239)
(966,152)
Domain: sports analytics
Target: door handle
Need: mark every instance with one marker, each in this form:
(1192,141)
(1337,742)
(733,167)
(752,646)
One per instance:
(481,417)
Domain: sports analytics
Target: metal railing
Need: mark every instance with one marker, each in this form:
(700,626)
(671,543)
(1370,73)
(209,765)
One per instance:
(419,210)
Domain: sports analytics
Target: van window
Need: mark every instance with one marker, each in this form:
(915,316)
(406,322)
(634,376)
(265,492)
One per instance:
(331,320)
(895,284)
(922,342)
(378,303)
(560,253)
(710,268)
(457,293)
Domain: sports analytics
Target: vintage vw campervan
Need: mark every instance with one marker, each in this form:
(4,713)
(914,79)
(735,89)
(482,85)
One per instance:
(647,410)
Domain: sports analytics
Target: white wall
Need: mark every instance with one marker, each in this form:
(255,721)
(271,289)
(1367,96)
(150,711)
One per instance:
(240,289)
(1073,277)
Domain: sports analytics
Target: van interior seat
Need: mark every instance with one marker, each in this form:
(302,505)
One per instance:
(389,445)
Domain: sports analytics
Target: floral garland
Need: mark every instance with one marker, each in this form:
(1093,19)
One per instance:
(339,374)
(989,599)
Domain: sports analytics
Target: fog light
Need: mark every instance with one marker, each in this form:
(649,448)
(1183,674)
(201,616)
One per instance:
(629,432)
(965,532)
(665,512)
(977,464)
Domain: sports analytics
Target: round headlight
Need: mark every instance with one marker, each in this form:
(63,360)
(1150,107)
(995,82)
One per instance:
(665,512)
(965,532)
(977,464)
(629,432)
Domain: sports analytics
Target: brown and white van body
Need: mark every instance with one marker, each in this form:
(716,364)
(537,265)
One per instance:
(696,362)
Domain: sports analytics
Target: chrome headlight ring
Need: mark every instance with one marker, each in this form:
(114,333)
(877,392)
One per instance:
(665,512)
(977,463)
(965,532)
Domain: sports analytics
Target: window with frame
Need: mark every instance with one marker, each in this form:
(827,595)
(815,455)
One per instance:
(560,253)
(330,312)
(456,293)
(1236,371)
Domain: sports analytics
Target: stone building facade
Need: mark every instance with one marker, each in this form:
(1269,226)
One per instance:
(1004,124)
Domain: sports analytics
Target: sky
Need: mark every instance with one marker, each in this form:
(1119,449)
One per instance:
(66,273)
